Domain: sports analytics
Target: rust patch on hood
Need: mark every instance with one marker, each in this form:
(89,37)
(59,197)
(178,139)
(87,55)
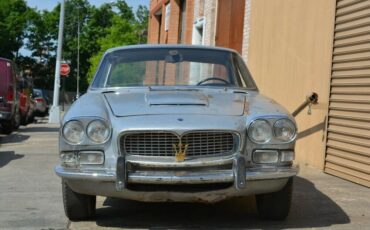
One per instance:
(246,107)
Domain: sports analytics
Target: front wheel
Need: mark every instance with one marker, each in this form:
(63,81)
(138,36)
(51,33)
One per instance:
(77,206)
(7,127)
(14,123)
(276,205)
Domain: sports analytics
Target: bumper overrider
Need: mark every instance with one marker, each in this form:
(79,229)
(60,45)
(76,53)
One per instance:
(242,179)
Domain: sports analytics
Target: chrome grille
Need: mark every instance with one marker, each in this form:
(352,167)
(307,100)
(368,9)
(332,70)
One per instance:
(149,143)
(200,143)
(208,143)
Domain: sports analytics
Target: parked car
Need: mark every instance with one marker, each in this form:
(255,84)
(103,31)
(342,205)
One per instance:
(176,123)
(41,101)
(26,104)
(10,117)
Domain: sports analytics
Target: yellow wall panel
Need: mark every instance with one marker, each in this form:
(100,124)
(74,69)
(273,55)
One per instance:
(289,56)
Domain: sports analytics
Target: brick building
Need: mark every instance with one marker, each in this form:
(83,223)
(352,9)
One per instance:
(292,48)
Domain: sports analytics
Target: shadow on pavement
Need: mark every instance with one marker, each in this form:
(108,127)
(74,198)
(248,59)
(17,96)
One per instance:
(13,138)
(6,157)
(39,129)
(310,209)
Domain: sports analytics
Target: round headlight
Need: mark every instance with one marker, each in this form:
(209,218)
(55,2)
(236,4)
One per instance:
(73,132)
(284,130)
(98,131)
(260,131)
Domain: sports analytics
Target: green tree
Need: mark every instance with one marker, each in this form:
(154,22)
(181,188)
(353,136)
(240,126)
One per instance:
(13,23)
(42,32)
(125,30)
(101,28)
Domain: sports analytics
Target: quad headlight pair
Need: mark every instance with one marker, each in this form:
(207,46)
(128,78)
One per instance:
(97,131)
(262,131)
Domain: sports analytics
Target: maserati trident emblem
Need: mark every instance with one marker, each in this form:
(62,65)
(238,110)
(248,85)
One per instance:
(180,151)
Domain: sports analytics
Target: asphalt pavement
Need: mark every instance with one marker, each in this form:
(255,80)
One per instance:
(30,197)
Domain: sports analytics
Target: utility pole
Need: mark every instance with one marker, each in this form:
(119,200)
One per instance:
(54,116)
(78,56)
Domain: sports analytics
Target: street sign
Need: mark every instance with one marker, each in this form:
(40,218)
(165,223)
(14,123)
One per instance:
(64,69)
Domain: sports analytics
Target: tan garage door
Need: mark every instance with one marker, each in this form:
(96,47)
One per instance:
(348,142)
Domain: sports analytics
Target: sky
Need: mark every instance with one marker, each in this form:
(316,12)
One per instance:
(50,4)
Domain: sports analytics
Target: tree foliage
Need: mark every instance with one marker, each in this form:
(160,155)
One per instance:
(14,16)
(126,29)
(101,28)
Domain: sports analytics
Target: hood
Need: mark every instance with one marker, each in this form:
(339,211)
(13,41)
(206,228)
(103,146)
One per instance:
(219,102)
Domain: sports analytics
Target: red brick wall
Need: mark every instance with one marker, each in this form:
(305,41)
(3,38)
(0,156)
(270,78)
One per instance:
(172,35)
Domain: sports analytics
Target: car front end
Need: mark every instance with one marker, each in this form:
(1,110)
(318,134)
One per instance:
(176,143)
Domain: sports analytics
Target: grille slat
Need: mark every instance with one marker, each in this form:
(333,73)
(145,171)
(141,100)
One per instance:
(200,143)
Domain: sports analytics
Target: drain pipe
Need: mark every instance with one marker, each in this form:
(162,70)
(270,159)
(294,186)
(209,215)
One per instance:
(311,99)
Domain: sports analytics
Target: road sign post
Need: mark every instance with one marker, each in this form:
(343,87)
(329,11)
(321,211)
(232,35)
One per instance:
(64,69)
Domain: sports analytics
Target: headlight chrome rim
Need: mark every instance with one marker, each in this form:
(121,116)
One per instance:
(108,129)
(79,123)
(294,127)
(251,125)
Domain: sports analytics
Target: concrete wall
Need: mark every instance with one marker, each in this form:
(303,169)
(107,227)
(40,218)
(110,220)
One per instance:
(246,30)
(289,56)
(210,10)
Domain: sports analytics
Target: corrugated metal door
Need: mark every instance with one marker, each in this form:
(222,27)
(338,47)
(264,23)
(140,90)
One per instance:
(348,140)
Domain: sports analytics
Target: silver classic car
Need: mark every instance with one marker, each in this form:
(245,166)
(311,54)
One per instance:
(176,123)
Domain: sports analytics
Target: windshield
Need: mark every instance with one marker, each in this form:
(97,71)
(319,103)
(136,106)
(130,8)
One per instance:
(37,93)
(172,67)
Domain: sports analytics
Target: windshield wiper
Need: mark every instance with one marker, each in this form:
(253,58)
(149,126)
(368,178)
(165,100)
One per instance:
(108,91)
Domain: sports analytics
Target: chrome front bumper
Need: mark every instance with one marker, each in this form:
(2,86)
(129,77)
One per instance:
(189,178)
(243,181)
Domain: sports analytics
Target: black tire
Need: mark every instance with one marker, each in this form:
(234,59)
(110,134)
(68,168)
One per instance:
(77,206)
(276,205)
(24,120)
(31,119)
(11,125)
(7,127)
(17,119)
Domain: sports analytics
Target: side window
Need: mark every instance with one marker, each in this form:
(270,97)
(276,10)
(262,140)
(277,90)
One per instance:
(243,71)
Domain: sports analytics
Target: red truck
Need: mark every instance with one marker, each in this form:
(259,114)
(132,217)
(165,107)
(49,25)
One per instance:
(15,97)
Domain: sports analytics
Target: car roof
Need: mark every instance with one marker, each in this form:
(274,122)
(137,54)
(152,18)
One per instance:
(169,46)
(4,59)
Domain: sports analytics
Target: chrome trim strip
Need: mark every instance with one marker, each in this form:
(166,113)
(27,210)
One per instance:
(150,177)
(170,162)
(272,173)
(87,175)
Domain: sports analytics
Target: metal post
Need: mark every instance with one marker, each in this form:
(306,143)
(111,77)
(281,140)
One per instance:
(78,56)
(63,92)
(55,110)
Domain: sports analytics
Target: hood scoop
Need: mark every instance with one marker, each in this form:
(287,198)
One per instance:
(178,99)
(215,103)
